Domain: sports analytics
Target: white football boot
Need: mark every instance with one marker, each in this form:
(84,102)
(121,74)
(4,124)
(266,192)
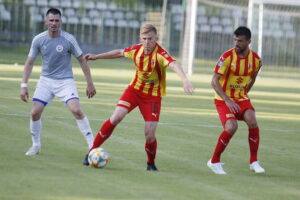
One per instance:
(33,150)
(255,166)
(216,167)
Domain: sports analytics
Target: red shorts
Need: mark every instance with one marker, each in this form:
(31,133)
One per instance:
(225,113)
(149,105)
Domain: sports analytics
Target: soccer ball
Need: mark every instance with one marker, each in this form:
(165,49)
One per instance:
(98,157)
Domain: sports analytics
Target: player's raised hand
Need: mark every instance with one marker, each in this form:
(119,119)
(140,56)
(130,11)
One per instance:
(24,95)
(90,56)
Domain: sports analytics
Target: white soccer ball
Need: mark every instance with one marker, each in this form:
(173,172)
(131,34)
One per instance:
(98,157)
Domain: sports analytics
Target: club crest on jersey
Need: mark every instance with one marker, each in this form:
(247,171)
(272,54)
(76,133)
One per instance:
(59,48)
(146,75)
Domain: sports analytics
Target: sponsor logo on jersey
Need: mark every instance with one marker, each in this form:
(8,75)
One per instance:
(236,86)
(59,48)
(239,80)
(148,81)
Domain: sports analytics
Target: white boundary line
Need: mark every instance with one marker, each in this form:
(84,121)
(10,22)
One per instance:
(161,123)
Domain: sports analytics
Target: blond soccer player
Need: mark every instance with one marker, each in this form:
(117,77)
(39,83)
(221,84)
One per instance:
(145,90)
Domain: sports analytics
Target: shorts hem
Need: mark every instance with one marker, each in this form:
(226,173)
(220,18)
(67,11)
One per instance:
(71,99)
(41,101)
(123,106)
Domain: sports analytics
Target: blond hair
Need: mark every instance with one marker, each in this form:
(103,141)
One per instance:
(146,28)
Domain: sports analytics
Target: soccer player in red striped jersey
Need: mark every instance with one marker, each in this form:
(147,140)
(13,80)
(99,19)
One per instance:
(145,90)
(234,76)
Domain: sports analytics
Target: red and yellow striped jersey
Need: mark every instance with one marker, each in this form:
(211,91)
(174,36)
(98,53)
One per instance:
(236,73)
(150,76)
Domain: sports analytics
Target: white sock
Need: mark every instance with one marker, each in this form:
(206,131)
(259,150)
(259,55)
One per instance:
(35,129)
(85,129)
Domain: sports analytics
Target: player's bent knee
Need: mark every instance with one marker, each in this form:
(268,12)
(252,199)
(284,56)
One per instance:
(149,136)
(231,127)
(116,119)
(36,115)
(231,130)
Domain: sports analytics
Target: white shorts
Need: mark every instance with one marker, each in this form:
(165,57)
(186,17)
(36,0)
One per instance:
(47,89)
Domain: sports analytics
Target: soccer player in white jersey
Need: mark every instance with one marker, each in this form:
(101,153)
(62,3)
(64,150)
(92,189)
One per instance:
(56,79)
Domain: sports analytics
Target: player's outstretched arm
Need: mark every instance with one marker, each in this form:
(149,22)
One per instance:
(117,53)
(24,94)
(90,90)
(187,85)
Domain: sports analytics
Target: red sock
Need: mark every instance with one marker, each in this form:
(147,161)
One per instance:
(104,133)
(253,139)
(150,149)
(221,145)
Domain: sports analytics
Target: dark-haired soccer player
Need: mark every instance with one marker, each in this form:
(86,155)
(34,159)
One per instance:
(234,76)
(145,89)
(56,47)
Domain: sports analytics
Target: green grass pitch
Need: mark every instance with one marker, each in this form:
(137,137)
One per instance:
(187,134)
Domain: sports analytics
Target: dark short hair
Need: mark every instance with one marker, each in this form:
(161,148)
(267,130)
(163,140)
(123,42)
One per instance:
(53,11)
(243,30)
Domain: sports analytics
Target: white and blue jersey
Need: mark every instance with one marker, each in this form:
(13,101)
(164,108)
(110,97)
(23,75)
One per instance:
(56,54)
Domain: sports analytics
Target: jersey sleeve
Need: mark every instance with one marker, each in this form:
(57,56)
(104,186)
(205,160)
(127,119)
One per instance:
(129,52)
(75,49)
(258,62)
(165,58)
(259,65)
(223,65)
(34,49)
